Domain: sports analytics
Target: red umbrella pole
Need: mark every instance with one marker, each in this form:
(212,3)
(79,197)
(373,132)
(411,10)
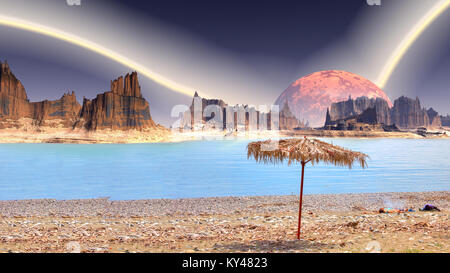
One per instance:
(300,204)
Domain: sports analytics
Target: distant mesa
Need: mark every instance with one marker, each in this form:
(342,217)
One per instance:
(122,108)
(406,113)
(310,96)
(16,111)
(205,114)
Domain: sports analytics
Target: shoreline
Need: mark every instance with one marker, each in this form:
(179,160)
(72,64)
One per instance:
(330,223)
(330,202)
(162,135)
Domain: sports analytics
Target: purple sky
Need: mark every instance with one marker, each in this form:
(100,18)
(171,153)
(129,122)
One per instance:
(271,39)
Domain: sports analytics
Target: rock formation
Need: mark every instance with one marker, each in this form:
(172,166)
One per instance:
(217,114)
(14,103)
(199,112)
(353,108)
(58,113)
(406,113)
(16,110)
(122,108)
(445,120)
(129,88)
(288,121)
(9,84)
(434,118)
(310,96)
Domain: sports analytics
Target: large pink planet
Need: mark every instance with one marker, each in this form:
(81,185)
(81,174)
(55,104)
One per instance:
(310,96)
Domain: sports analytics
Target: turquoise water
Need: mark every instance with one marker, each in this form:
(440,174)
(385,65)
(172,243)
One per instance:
(211,168)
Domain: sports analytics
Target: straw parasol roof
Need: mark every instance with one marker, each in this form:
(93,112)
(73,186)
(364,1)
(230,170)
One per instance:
(304,150)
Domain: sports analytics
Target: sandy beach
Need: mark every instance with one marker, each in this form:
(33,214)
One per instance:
(331,223)
(55,135)
(161,134)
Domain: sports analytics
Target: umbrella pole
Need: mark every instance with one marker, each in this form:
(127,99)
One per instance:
(300,203)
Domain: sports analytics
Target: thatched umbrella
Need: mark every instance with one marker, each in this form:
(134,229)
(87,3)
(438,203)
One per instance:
(303,151)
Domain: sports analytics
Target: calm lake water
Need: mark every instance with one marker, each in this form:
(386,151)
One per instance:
(211,168)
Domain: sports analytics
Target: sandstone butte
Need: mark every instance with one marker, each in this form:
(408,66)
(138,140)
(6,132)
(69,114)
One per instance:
(121,109)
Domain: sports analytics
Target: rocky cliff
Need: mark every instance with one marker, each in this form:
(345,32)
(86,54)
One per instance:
(203,110)
(406,113)
(353,108)
(9,84)
(58,113)
(122,108)
(14,103)
(16,111)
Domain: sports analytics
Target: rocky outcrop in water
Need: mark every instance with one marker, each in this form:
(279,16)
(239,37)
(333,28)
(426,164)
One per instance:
(406,113)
